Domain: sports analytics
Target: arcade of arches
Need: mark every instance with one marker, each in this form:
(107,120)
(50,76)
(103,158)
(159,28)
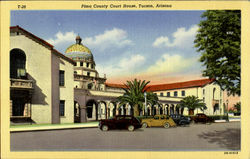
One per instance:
(89,108)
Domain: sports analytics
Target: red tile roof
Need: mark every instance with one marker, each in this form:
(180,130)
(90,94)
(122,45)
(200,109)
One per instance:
(169,86)
(41,41)
(180,85)
(115,85)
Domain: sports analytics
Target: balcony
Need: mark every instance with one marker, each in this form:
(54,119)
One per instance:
(21,84)
(88,78)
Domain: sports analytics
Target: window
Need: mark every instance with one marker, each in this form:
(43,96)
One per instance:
(175,93)
(183,93)
(203,91)
(92,65)
(156,118)
(74,64)
(87,64)
(168,94)
(81,63)
(88,73)
(90,86)
(161,94)
(62,107)
(61,78)
(75,72)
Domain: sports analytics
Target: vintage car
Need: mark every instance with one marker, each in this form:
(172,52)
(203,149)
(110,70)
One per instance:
(158,121)
(180,119)
(203,118)
(120,122)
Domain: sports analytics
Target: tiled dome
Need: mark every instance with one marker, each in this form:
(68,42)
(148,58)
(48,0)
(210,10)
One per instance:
(78,50)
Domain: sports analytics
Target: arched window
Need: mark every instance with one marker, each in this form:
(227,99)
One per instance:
(90,85)
(214,92)
(17,64)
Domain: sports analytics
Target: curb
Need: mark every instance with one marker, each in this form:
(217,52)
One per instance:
(51,128)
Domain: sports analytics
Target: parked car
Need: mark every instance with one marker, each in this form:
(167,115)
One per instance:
(203,118)
(120,122)
(180,119)
(158,120)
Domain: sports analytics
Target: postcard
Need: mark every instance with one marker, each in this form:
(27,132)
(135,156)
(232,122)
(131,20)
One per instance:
(124,79)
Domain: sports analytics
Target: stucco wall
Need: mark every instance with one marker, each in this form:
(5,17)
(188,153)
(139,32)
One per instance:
(38,66)
(188,92)
(218,95)
(67,91)
(198,92)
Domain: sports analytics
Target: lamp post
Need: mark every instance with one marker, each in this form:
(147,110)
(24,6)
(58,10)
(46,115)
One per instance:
(145,96)
(227,110)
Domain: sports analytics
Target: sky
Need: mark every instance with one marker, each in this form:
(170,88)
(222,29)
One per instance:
(156,46)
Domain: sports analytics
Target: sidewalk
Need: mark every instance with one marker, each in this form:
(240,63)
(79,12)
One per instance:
(36,127)
(231,119)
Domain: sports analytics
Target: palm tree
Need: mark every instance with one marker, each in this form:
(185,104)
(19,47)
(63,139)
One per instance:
(192,103)
(152,98)
(134,95)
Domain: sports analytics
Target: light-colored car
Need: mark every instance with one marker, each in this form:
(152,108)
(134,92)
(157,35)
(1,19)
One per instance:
(158,121)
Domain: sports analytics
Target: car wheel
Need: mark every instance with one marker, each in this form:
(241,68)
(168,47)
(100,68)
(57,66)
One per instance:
(105,128)
(131,128)
(144,125)
(166,125)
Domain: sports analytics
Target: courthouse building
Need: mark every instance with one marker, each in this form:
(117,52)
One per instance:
(47,86)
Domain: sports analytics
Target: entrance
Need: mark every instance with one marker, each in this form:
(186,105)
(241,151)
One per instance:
(18,105)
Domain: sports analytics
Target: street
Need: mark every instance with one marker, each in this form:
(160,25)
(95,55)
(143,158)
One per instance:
(196,137)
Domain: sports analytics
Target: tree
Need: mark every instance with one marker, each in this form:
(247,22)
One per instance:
(152,99)
(134,95)
(218,40)
(237,106)
(192,103)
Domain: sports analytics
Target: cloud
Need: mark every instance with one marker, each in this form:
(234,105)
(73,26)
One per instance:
(170,64)
(125,66)
(181,38)
(109,39)
(62,38)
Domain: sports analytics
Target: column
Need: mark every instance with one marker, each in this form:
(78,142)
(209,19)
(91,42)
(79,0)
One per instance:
(94,111)
(83,117)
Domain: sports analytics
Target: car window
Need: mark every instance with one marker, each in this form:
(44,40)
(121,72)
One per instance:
(128,117)
(156,117)
(120,118)
(162,117)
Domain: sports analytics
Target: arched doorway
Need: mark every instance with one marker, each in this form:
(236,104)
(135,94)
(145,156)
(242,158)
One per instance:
(154,111)
(148,111)
(172,109)
(17,64)
(92,110)
(161,111)
(167,109)
(216,108)
(18,105)
(120,110)
(177,110)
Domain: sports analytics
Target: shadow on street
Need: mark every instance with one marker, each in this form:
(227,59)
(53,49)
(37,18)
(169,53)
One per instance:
(229,138)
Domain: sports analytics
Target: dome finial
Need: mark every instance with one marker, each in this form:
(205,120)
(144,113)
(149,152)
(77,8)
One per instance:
(78,39)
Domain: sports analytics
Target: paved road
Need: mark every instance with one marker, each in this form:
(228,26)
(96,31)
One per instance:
(217,136)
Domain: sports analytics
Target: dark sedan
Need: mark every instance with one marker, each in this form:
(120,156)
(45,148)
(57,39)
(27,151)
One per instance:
(180,119)
(202,118)
(120,122)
